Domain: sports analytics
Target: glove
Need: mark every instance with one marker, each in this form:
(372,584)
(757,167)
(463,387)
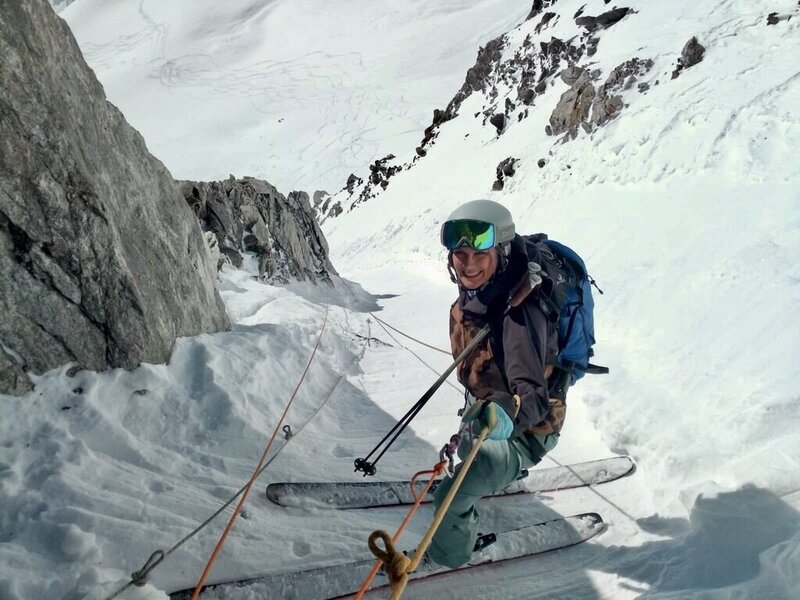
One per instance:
(481,412)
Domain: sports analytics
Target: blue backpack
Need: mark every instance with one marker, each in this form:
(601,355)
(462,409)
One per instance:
(565,295)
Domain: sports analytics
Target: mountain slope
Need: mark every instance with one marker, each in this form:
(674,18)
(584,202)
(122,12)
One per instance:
(292,91)
(685,208)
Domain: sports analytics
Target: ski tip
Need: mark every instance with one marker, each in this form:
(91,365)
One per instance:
(592,524)
(273,495)
(593,517)
(629,461)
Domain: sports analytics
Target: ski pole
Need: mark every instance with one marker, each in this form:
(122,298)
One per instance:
(367,467)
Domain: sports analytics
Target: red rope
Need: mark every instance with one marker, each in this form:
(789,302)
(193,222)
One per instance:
(207,570)
(435,473)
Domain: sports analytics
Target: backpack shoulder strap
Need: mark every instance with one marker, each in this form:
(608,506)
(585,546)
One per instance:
(532,276)
(521,291)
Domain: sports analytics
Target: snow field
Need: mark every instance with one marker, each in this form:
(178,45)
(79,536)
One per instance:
(290,91)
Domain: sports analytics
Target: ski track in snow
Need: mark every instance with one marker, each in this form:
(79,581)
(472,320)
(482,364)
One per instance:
(303,110)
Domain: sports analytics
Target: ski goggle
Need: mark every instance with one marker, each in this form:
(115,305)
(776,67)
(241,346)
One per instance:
(478,235)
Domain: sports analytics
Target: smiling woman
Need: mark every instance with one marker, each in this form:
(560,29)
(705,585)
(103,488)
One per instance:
(511,369)
(472,233)
(474,268)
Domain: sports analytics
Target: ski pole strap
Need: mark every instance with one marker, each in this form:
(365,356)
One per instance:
(368,468)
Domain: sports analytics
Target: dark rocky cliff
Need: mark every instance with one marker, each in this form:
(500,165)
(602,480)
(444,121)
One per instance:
(102,262)
(252,215)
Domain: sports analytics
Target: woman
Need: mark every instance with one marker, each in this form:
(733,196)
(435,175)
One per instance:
(495,270)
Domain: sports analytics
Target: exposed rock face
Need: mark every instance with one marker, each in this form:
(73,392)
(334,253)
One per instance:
(607,105)
(505,169)
(588,106)
(101,261)
(573,107)
(774,18)
(319,198)
(251,215)
(538,6)
(352,182)
(604,20)
(499,122)
(691,54)
(477,79)
(380,172)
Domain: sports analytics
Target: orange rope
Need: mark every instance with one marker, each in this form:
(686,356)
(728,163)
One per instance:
(256,473)
(435,473)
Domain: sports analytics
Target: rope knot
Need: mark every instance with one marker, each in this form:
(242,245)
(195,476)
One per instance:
(396,563)
(140,577)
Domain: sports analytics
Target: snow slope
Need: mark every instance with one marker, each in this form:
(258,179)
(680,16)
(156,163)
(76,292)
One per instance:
(686,209)
(292,91)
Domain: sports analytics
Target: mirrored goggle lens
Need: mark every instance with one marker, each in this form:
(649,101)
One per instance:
(478,235)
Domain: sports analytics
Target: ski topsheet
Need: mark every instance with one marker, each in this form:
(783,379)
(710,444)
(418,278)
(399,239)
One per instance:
(345,579)
(369,494)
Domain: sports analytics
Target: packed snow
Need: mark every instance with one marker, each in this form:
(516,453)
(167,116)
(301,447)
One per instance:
(686,209)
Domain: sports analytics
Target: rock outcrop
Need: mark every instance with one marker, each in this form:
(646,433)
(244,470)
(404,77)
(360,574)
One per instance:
(102,263)
(692,54)
(774,18)
(586,105)
(538,6)
(602,21)
(250,215)
(575,104)
(512,74)
(505,169)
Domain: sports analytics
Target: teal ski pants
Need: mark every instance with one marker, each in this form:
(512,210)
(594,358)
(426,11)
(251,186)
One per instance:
(497,464)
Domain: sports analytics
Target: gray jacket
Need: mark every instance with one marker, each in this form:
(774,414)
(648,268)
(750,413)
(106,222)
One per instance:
(513,359)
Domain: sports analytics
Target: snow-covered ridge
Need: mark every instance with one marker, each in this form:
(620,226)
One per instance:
(680,176)
(524,71)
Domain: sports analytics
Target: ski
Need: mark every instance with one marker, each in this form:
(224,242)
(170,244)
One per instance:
(373,494)
(342,580)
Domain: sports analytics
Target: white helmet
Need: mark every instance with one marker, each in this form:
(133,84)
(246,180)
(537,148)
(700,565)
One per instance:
(479,224)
